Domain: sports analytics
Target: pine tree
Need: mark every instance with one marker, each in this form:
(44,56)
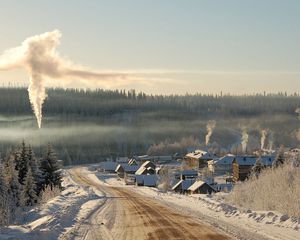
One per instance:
(28,194)
(5,202)
(50,169)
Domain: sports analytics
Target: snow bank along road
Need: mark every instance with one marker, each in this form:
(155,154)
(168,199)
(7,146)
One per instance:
(128,215)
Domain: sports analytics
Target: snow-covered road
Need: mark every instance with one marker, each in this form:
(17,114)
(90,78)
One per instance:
(125,214)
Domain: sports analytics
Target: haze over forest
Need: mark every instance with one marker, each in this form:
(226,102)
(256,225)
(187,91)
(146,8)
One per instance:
(88,126)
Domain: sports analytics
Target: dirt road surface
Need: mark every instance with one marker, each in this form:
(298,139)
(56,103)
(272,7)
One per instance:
(125,214)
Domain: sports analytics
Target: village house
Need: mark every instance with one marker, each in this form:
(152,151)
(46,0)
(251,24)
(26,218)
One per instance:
(156,159)
(242,165)
(147,168)
(200,187)
(146,180)
(188,174)
(200,156)
(182,186)
(125,169)
(108,167)
(222,165)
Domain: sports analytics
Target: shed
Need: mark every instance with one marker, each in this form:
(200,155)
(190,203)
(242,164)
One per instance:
(201,187)
(182,185)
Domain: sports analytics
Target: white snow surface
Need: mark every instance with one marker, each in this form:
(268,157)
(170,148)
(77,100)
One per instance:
(58,216)
(61,215)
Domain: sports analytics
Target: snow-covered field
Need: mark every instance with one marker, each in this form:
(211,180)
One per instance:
(58,218)
(55,218)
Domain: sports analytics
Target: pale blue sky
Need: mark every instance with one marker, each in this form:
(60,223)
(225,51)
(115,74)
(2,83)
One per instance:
(233,45)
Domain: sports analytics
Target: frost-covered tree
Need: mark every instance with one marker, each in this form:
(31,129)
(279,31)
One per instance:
(50,169)
(21,159)
(28,194)
(5,202)
(11,178)
(34,166)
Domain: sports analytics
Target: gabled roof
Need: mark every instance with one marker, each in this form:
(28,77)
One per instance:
(185,184)
(108,166)
(250,160)
(227,159)
(144,167)
(127,167)
(196,185)
(200,154)
(189,172)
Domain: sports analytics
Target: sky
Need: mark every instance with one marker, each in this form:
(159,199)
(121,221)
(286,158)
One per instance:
(178,46)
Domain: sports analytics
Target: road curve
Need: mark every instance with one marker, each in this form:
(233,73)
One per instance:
(125,214)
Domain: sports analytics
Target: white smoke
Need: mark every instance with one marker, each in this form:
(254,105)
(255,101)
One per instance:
(38,55)
(298,112)
(245,138)
(210,128)
(263,138)
(271,140)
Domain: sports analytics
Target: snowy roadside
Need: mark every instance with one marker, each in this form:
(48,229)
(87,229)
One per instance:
(213,210)
(58,216)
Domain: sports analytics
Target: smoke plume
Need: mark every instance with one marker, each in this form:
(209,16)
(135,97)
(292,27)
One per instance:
(298,112)
(245,138)
(263,138)
(210,128)
(38,55)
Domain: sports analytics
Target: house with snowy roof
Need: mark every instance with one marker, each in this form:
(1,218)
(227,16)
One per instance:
(147,168)
(242,165)
(124,169)
(182,185)
(221,165)
(200,187)
(201,156)
(146,180)
(108,167)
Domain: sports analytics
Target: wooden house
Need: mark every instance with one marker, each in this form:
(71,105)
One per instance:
(242,165)
(200,187)
(182,186)
(108,167)
(200,156)
(188,174)
(146,180)
(125,168)
(222,165)
(147,168)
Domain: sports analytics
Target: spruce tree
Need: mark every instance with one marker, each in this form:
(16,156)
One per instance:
(34,166)
(21,159)
(50,169)
(28,194)
(11,178)
(5,202)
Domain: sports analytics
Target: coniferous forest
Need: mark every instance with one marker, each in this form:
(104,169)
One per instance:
(91,125)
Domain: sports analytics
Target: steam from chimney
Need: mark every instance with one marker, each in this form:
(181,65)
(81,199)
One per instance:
(245,138)
(298,112)
(38,55)
(210,128)
(263,138)
(271,140)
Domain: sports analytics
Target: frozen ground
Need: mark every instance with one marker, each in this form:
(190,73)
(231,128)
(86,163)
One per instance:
(213,210)
(67,215)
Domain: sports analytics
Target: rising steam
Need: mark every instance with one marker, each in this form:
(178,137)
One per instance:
(38,55)
(245,138)
(263,138)
(210,128)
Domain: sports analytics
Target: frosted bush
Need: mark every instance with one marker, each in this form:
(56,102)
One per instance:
(275,189)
